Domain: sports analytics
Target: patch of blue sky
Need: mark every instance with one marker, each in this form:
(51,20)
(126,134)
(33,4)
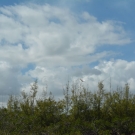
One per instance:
(93,64)
(125,52)
(13,2)
(3,42)
(30,66)
(109,10)
(54,20)
(9,2)
(24,46)
(51,2)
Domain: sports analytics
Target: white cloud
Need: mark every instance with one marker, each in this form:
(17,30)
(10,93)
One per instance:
(115,72)
(9,83)
(55,39)
(120,72)
(52,33)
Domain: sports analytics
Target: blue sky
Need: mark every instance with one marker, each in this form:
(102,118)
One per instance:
(65,39)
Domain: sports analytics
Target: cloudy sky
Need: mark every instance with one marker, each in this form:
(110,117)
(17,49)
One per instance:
(60,40)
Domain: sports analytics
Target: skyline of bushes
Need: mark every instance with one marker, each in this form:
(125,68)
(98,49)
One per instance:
(80,112)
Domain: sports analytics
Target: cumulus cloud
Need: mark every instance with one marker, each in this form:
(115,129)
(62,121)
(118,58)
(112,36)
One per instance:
(119,71)
(114,72)
(55,40)
(45,32)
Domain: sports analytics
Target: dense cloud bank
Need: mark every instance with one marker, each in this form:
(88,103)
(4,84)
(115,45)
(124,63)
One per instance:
(60,46)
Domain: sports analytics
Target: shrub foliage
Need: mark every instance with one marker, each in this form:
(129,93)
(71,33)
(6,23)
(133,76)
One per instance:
(80,112)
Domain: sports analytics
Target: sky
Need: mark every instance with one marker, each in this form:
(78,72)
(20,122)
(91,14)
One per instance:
(56,41)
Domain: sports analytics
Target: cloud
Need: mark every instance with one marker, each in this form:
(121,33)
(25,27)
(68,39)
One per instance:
(9,79)
(119,71)
(46,32)
(55,40)
(114,72)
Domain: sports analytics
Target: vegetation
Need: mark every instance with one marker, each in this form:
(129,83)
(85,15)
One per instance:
(81,112)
